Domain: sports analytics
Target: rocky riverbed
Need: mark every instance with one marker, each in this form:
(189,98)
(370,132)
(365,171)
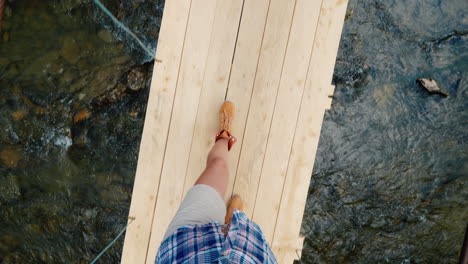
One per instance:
(390,182)
(390,179)
(73,91)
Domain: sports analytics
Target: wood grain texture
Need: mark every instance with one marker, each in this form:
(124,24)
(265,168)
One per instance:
(189,85)
(244,69)
(285,240)
(285,114)
(263,101)
(215,81)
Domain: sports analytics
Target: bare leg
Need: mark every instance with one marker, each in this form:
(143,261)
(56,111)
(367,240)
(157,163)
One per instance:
(216,173)
(199,206)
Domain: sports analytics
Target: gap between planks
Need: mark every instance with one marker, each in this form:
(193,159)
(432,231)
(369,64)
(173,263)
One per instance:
(284,120)
(262,102)
(215,50)
(215,83)
(243,74)
(286,237)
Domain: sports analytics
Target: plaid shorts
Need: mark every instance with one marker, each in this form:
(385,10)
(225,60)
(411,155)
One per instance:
(241,242)
(197,234)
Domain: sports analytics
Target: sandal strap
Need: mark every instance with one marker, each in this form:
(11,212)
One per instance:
(231,139)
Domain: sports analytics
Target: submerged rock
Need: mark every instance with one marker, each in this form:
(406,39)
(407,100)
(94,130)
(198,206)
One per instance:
(136,79)
(115,193)
(106,36)
(10,156)
(112,96)
(19,115)
(9,188)
(70,50)
(431,86)
(81,115)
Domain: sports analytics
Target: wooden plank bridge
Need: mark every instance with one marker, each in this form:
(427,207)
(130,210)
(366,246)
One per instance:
(274,59)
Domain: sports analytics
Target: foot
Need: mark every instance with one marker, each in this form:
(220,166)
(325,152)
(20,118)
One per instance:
(234,203)
(226,115)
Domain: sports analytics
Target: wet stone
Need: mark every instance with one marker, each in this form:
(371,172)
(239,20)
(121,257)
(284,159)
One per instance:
(81,115)
(34,228)
(9,188)
(133,114)
(19,115)
(431,86)
(116,193)
(101,83)
(8,240)
(106,36)
(112,96)
(67,78)
(70,50)
(106,179)
(136,79)
(46,65)
(11,156)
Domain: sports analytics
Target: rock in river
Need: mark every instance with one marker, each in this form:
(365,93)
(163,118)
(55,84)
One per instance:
(136,79)
(9,188)
(431,86)
(81,115)
(10,156)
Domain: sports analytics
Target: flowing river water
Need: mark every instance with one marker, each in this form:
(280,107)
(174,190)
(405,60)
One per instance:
(390,182)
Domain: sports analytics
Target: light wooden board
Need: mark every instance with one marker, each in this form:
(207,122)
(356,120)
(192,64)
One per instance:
(285,114)
(158,114)
(263,99)
(244,69)
(191,73)
(218,67)
(286,236)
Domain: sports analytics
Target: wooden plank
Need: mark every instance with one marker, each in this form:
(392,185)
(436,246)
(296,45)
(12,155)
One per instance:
(158,113)
(285,240)
(223,40)
(285,114)
(192,68)
(263,100)
(244,68)
(294,253)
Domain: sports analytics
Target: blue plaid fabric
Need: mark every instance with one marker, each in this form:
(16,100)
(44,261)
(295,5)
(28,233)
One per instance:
(241,242)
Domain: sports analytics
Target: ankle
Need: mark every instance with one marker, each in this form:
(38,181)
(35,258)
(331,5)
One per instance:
(222,140)
(225,135)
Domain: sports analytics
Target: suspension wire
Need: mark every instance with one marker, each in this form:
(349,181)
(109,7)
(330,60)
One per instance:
(112,242)
(148,51)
